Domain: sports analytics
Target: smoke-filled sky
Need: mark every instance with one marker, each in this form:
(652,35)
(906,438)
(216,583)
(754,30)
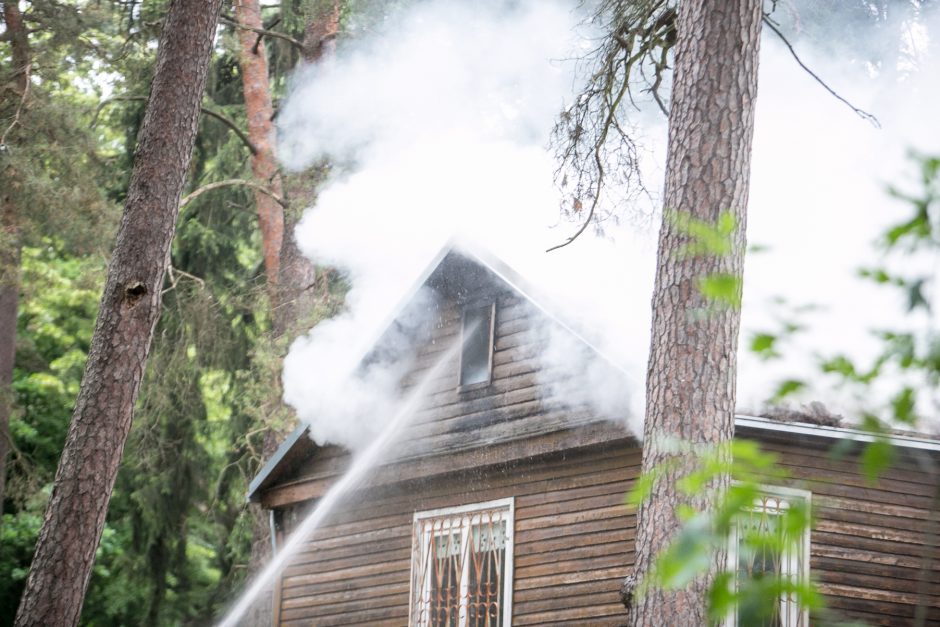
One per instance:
(439,122)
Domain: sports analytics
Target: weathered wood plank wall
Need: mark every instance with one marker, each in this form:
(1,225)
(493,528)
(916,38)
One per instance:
(874,545)
(573,536)
(569,475)
(519,415)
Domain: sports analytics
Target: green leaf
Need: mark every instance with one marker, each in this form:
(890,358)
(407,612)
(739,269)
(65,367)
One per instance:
(787,388)
(876,458)
(903,406)
(721,288)
(763,345)
(705,238)
(687,557)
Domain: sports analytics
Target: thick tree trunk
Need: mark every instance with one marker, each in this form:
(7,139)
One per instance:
(9,303)
(10,243)
(291,295)
(253,61)
(691,377)
(130,306)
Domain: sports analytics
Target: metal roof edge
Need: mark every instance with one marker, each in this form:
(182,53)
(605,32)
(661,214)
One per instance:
(272,463)
(836,433)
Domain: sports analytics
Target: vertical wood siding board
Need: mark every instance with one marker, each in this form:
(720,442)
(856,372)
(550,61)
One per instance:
(588,485)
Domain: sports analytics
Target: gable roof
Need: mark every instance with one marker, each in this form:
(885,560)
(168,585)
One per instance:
(459,263)
(455,267)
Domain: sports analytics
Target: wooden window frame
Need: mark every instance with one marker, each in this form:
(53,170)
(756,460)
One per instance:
(794,565)
(508,506)
(491,339)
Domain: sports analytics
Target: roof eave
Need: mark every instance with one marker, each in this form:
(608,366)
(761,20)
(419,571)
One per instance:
(254,488)
(835,433)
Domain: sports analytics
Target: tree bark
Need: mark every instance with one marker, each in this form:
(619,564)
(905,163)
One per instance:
(130,307)
(291,295)
(253,61)
(690,386)
(10,243)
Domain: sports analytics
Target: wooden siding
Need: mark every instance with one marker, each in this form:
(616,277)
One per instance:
(569,471)
(520,414)
(573,537)
(871,542)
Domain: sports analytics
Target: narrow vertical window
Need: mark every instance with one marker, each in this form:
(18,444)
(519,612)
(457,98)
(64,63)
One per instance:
(476,358)
(462,566)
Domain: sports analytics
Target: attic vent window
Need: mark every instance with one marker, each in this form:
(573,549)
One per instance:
(476,358)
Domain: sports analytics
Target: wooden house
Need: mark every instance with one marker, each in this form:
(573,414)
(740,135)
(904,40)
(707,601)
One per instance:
(503,501)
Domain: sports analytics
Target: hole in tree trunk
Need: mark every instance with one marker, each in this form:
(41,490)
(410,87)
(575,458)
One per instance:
(134,292)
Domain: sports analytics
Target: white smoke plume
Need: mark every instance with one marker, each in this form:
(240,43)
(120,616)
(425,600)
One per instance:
(438,126)
(819,201)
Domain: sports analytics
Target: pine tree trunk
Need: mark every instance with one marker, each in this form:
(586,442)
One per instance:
(253,61)
(10,243)
(259,110)
(9,304)
(130,306)
(691,377)
(291,295)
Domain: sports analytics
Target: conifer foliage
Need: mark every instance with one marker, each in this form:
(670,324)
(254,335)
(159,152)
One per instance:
(129,310)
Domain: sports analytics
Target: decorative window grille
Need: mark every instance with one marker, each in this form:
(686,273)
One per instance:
(790,562)
(461,566)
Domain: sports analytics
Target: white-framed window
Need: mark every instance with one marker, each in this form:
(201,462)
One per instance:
(783,556)
(476,357)
(461,566)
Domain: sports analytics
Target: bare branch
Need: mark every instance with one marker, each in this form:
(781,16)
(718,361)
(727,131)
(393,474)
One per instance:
(207,111)
(861,113)
(175,274)
(19,108)
(263,32)
(592,145)
(231,183)
(235,129)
